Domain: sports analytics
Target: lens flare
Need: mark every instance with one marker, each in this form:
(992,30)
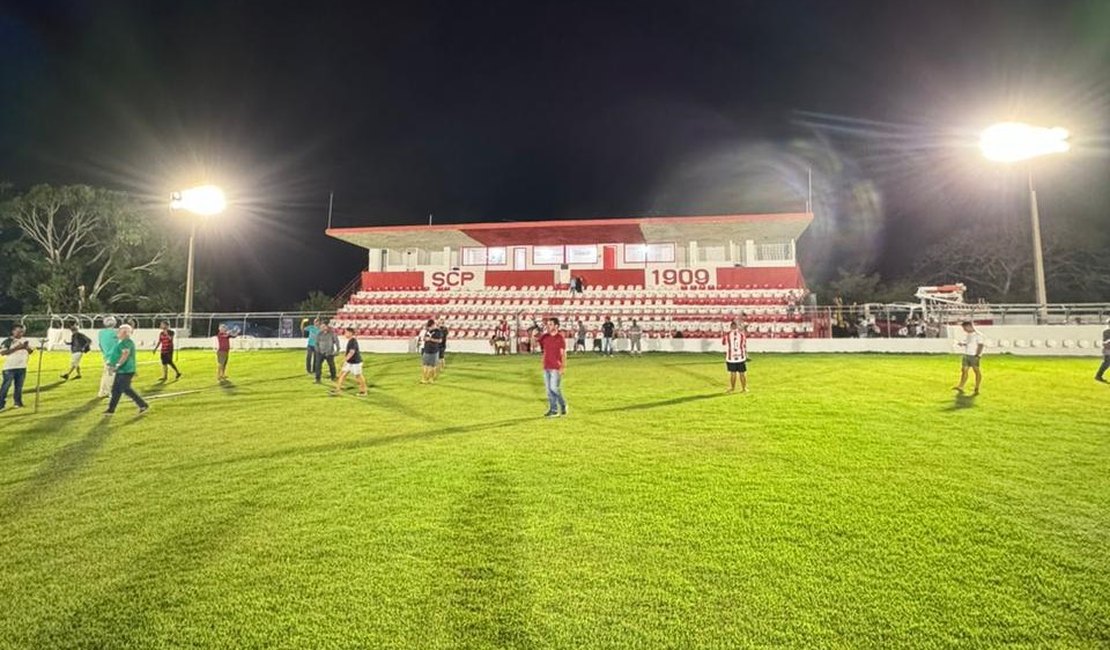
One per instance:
(1014,141)
(206,200)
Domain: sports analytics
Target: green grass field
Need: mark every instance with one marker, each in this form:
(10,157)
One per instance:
(848,501)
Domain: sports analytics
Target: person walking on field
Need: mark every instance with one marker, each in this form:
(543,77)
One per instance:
(607,332)
(107,340)
(16,351)
(736,356)
(78,344)
(165,347)
(312,332)
(327,346)
(122,365)
(352,365)
(223,350)
(635,333)
(1101,374)
(429,352)
(580,336)
(442,345)
(554,348)
(972,347)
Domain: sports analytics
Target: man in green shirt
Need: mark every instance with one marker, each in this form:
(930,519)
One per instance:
(107,339)
(121,362)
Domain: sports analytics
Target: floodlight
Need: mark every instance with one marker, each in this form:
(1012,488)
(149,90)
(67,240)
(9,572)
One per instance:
(206,200)
(1015,141)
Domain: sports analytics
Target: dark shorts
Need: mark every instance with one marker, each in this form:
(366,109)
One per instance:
(167,358)
(221,358)
(739,366)
(442,351)
(429,359)
(970,361)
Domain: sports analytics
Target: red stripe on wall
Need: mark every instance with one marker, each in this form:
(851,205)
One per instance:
(387,280)
(541,278)
(611,277)
(786,277)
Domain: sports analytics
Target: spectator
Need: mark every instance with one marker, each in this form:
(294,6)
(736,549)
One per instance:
(327,346)
(223,351)
(608,330)
(352,365)
(78,344)
(16,351)
(122,364)
(312,331)
(1101,374)
(554,363)
(429,352)
(107,340)
(165,346)
(972,347)
(634,334)
(580,336)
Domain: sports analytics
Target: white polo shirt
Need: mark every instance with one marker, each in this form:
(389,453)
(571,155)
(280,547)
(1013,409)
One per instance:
(15,360)
(971,345)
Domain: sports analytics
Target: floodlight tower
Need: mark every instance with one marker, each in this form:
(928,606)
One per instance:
(202,201)
(1011,142)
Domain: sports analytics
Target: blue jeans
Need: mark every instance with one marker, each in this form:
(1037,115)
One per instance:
(121,385)
(310,359)
(606,345)
(553,380)
(1104,367)
(11,377)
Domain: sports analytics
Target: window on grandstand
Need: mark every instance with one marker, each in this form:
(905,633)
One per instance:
(773,252)
(547,254)
(581,254)
(640,253)
(474,256)
(496,256)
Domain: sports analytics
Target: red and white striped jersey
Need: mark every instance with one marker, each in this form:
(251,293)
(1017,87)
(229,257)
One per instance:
(736,346)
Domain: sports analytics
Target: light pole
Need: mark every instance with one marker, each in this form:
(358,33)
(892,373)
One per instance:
(204,201)
(1011,142)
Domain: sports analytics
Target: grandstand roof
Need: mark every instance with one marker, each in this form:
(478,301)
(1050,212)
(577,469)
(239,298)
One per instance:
(678,229)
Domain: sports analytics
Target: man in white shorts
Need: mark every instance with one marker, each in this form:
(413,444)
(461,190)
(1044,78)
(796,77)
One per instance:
(972,351)
(736,356)
(107,341)
(352,365)
(79,344)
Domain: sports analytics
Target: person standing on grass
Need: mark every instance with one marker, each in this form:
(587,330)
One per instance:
(122,365)
(1101,374)
(635,332)
(107,340)
(16,351)
(580,337)
(736,356)
(607,332)
(327,346)
(442,345)
(223,350)
(78,344)
(165,347)
(972,352)
(312,331)
(554,348)
(352,365)
(429,352)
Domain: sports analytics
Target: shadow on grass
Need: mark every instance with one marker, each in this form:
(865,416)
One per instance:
(382,399)
(48,387)
(362,443)
(48,426)
(487,554)
(61,465)
(491,393)
(961,402)
(128,612)
(675,401)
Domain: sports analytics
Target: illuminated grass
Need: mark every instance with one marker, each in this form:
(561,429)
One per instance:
(847,501)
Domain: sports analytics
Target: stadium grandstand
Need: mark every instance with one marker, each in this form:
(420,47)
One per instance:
(679,277)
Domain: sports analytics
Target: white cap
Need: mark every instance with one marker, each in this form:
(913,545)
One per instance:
(110,321)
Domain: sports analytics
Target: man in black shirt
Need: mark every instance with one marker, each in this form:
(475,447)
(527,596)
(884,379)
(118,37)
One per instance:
(352,365)
(607,332)
(79,344)
(430,339)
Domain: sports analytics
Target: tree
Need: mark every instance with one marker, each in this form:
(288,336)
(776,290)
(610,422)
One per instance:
(317,301)
(87,249)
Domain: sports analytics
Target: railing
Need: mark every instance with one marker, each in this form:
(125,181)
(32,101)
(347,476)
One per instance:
(900,320)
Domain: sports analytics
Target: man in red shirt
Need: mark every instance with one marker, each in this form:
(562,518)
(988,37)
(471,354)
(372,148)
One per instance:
(165,346)
(736,356)
(223,349)
(554,348)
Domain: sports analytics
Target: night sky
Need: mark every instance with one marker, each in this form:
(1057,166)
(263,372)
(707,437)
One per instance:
(538,110)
